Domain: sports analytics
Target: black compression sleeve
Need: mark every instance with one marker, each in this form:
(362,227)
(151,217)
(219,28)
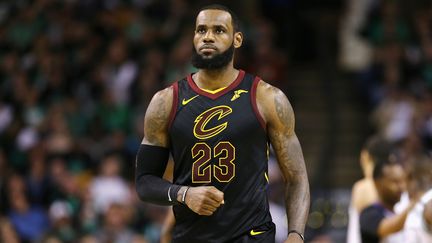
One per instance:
(150,165)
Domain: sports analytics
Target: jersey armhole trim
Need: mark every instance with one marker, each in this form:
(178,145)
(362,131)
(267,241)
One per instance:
(254,102)
(174,105)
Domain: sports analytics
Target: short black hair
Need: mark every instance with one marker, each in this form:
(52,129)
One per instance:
(234,18)
(382,162)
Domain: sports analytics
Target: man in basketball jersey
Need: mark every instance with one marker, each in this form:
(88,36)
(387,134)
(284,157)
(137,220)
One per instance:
(217,124)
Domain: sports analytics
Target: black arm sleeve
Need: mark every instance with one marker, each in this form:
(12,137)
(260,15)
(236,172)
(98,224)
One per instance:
(150,165)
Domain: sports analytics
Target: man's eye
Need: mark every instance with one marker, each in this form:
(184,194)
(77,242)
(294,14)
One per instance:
(220,31)
(200,31)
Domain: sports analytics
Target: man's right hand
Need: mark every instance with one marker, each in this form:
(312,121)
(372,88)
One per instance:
(203,200)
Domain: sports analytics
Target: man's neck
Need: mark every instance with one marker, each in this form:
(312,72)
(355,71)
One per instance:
(215,79)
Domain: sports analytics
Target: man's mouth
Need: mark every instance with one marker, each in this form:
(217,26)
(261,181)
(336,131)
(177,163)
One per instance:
(207,49)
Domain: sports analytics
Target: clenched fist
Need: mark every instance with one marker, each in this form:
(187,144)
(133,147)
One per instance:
(203,200)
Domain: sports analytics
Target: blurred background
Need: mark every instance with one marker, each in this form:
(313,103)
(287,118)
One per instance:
(76,77)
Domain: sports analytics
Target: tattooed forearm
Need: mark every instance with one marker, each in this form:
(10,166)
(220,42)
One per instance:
(291,162)
(289,154)
(157,118)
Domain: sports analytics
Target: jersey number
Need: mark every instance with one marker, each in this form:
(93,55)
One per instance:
(202,170)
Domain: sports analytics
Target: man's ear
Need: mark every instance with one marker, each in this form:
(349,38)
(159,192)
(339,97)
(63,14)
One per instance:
(238,39)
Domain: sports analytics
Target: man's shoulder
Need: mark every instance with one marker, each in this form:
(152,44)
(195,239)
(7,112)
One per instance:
(372,213)
(265,86)
(161,103)
(375,207)
(269,91)
(363,194)
(165,93)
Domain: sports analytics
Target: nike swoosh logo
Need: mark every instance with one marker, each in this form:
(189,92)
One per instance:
(252,232)
(184,102)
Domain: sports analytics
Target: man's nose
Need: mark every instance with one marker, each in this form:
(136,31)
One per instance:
(208,37)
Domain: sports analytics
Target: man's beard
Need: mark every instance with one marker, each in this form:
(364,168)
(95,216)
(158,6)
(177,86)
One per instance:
(218,61)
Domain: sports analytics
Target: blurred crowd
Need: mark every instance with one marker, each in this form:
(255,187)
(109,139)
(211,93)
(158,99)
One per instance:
(387,47)
(75,79)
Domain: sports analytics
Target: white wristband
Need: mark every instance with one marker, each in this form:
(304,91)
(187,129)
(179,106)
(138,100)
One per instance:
(169,196)
(184,195)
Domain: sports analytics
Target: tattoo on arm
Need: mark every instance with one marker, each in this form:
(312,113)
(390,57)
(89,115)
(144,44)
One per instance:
(157,119)
(281,123)
(284,111)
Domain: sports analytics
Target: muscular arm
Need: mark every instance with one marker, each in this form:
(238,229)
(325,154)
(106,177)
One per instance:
(153,154)
(363,194)
(157,119)
(279,117)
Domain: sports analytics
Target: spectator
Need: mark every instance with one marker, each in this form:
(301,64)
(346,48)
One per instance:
(108,187)
(37,180)
(114,228)
(394,116)
(60,214)
(29,221)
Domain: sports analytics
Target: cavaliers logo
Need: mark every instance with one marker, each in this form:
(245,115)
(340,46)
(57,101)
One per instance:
(218,112)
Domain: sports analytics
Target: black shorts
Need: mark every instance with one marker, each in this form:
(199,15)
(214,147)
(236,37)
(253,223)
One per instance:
(264,233)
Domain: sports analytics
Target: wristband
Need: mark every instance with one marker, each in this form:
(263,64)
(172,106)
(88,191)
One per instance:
(184,195)
(296,232)
(169,196)
(172,193)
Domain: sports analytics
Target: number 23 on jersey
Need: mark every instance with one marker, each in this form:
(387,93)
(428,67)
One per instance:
(203,171)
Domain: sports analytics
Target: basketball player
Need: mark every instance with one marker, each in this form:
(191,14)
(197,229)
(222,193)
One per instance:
(217,123)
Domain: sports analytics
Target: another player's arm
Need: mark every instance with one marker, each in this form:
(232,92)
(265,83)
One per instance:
(372,221)
(394,223)
(279,117)
(152,159)
(361,195)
